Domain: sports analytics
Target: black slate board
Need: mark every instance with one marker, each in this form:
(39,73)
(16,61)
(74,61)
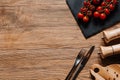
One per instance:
(94,26)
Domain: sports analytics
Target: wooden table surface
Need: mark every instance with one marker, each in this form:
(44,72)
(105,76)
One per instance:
(39,40)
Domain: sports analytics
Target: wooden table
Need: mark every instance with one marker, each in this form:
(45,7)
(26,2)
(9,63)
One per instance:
(39,40)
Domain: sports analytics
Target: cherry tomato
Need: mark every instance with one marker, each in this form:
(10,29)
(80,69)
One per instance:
(115,2)
(83,9)
(80,15)
(99,8)
(85,19)
(103,4)
(106,11)
(96,1)
(108,0)
(89,13)
(96,14)
(112,7)
(102,16)
(92,7)
(85,3)
(88,3)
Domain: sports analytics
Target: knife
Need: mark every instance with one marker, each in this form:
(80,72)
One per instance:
(79,64)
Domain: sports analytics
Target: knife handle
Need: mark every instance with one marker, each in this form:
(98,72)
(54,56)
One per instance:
(109,50)
(111,35)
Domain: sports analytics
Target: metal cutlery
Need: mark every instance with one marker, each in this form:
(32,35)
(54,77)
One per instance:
(80,62)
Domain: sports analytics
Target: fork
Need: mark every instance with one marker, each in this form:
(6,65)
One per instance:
(80,62)
(77,61)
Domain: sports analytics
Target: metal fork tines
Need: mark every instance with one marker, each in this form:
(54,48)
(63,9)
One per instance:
(80,62)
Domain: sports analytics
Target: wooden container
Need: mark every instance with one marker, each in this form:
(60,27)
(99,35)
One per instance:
(111,72)
(111,35)
(110,50)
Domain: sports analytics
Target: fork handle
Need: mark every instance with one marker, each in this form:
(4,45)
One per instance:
(71,73)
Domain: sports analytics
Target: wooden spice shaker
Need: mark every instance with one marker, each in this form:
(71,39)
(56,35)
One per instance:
(111,35)
(110,50)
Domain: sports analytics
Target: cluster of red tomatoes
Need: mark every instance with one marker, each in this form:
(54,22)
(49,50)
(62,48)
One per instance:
(96,8)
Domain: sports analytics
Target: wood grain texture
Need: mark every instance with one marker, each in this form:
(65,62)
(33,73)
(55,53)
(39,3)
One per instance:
(39,40)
